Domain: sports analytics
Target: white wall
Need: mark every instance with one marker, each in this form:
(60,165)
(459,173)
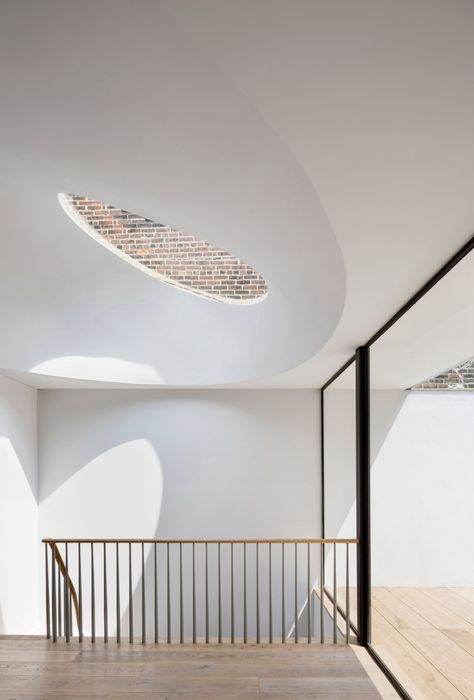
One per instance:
(19,579)
(422,484)
(181,464)
(422,488)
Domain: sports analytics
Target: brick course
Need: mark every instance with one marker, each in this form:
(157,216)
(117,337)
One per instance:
(461,377)
(174,256)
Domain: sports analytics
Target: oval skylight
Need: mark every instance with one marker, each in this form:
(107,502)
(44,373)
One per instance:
(170,255)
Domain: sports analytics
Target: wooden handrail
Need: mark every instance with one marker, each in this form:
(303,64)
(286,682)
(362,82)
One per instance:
(62,568)
(52,541)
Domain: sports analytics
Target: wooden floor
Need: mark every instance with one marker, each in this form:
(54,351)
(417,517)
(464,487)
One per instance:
(35,668)
(426,637)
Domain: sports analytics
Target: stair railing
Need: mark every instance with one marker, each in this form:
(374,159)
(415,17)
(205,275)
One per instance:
(246,591)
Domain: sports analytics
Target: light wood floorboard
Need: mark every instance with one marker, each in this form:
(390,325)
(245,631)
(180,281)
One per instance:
(36,668)
(430,643)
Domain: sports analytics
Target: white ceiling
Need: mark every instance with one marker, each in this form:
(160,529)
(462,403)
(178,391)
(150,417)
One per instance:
(283,131)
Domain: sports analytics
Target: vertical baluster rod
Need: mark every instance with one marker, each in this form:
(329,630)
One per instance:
(143,596)
(296,594)
(194,593)
(106,612)
(46,573)
(283,635)
(60,608)
(130,595)
(334,601)
(219,595)
(168,593)
(321,595)
(232,619)
(155,590)
(257,591)
(79,576)
(181,611)
(53,594)
(270,600)
(245,593)
(309,593)
(67,632)
(348,602)
(92,596)
(207,597)
(117,591)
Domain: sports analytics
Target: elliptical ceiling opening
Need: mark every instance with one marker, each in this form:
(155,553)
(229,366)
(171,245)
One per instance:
(172,256)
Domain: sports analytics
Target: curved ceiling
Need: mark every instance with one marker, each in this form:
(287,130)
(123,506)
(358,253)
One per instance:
(120,105)
(260,127)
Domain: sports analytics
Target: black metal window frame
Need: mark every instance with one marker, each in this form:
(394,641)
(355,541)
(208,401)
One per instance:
(361,358)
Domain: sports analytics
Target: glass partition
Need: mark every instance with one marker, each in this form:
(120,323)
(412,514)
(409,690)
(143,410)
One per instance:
(339,486)
(422,482)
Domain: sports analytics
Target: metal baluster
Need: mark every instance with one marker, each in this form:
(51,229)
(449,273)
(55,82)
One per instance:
(194,594)
(60,609)
(71,628)
(296,594)
(79,575)
(321,593)
(270,602)
(143,596)
(232,633)
(66,599)
(168,593)
(334,601)
(117,590)
(155,591)
(257,590)
(181,620)
(92,595)
(46,573)
(130,595)
(219,595)
(348,604)
(53,594)
(283,635)
(207,597)
(309,593)
(245,593)
(106,612)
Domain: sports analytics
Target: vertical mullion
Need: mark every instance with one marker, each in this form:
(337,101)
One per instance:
(363,493)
